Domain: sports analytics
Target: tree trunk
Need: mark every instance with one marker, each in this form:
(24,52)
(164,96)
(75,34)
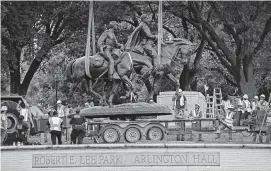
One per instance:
(34,67)
(245,80)
(14,68)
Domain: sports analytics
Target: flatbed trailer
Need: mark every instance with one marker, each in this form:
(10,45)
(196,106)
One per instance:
(146,129)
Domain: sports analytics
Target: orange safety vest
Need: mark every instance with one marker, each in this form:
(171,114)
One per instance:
(55,123)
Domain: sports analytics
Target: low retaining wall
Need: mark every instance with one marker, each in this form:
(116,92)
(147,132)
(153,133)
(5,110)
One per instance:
(164,156)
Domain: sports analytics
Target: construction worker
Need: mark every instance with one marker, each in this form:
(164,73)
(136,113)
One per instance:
(179,106)
(107,42)
(4,123)
(24,111)
(22,131)
(195,113)
(78,127)
(227,121)
(55,124)
(246,107)
(262,108)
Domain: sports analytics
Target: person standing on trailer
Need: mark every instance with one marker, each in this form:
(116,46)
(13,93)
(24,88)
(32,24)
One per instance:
(196,113)
(78,127)
(228,121)
(55,124)
(179,106)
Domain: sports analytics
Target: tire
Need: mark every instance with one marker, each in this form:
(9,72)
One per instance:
(132,135)
(110,135)
(155,133)
(12,117)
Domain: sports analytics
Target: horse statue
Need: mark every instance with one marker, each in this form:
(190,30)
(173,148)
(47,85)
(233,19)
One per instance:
(126,64)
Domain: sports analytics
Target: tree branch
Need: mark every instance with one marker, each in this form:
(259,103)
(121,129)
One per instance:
(224,75)
(265,32)
(221,45)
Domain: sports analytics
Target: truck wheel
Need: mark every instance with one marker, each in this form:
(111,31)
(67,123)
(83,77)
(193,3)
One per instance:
(12,115)
(155,133)
(12,122)
(111,135)
(132,135)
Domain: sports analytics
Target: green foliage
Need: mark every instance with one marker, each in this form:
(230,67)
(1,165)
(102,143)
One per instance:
(55,32)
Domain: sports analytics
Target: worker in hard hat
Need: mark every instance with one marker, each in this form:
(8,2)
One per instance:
(196,114)
(228,120)
(22,131)
(179,106)
(262,109)
(4,123)
(246,107)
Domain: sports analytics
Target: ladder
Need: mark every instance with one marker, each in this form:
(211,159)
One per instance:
(210,110)
(218,102)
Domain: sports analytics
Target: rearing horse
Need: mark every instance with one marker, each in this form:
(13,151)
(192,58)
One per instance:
(143,64)
(127,63)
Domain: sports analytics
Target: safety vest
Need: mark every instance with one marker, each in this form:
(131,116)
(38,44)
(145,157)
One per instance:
(247,106)
(229,118)
(195,114)
(55,123)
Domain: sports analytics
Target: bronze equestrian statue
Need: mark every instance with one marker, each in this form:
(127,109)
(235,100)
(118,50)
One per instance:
(127,63)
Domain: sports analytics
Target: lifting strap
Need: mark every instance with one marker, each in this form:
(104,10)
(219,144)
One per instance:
(88,39)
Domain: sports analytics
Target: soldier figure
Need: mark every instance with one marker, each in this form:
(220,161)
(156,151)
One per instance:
(142,40)
(107,42)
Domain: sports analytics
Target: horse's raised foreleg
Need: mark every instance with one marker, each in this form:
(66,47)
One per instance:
(91,91)
(126,79)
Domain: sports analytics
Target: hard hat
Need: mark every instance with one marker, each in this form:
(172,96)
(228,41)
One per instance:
(4,108)
(180,90)
(197,105)
(245,96)
(58,102)
(262,96)
(256,97)
(21,117)
(230,106)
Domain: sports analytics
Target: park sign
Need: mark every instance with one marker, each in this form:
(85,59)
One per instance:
(56,160)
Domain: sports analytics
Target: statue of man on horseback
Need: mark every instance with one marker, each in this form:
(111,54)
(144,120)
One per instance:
(142,40)
(107,43)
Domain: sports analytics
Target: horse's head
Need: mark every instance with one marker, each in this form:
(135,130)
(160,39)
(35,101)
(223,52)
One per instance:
(172,48)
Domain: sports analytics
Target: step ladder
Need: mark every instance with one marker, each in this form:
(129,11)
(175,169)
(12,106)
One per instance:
(210,110)
(218,102)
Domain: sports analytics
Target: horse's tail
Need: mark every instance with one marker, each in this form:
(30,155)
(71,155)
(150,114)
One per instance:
(69,70)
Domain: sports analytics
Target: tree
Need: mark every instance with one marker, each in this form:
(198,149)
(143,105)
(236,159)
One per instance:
(38,27)
(236,33)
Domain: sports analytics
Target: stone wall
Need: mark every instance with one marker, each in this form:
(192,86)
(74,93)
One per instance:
(162,156)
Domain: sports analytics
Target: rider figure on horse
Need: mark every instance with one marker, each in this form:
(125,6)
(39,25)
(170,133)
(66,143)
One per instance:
(142,40)
(107,43)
